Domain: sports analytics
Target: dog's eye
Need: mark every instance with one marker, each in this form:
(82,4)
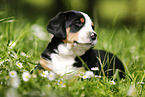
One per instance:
(78,23)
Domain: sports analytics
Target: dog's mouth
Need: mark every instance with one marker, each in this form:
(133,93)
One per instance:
(80,43)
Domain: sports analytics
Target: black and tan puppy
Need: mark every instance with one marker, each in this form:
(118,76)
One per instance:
(73,39)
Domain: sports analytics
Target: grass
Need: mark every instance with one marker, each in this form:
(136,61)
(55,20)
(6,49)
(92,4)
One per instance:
(20,43)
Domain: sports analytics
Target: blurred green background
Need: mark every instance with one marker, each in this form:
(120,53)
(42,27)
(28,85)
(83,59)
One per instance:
(103,12)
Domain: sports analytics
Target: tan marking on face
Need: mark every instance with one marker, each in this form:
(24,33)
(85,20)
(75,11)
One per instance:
(82,20)
(71,37)
(92,24)
(44,64)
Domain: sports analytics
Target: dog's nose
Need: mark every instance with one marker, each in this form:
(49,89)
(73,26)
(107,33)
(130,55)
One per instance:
(93,35)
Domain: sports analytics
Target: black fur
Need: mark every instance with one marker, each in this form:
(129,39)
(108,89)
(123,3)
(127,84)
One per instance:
(57,26)
(50,48)
(98,58)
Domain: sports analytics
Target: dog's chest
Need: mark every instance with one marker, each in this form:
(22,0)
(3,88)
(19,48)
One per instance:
(62,64)
(62,61)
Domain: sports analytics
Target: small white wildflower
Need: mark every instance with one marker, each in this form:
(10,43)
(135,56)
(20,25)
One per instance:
(23,54)
(10,21)
(98,76)
(14,82)
(1,36)
(77,93)
(61,83)
(34,76)
(19,64)
(8,60)
(44,74)
(12,55)
(82,88)
(1,62)
(95,68)
(51,76)
(85,77)
(26,76)
(89,74)
(141,83)
(112,82)
(132,91)
(133,49)
(12,44)
(13,74)
(82,95)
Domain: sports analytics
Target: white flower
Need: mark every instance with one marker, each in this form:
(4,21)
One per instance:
(26,76)
(51,76)
(112,82)
(95,68)
(44,74)
(10,21)
(61,83)
(13,74)
(132,91)
(98,76)
(12,55)
(89,74)
(14,82)
(1,63)
(141,83)
(8,60)
(23,54)
(1,36)
(34,76)
(19,64)
(85,77)
(12,44)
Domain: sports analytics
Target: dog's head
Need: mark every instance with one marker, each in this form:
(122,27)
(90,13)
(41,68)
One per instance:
(73,27)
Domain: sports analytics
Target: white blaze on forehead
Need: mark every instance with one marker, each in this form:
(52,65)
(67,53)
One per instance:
(84,32)
(88,21)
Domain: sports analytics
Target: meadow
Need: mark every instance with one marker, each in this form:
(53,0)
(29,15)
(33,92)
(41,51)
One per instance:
(21,45)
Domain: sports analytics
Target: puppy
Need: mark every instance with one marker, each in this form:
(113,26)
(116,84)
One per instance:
(72,45)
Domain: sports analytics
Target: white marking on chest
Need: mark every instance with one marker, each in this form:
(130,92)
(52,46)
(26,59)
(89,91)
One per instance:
(62,64)
(63,61)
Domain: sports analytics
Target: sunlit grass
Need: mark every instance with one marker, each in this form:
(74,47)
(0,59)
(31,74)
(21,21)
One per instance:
(20,50)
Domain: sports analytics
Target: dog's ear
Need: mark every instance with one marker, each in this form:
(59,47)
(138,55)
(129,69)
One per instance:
(57,27)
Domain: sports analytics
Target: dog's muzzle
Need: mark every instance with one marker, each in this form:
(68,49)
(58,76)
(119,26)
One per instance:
(92,37)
